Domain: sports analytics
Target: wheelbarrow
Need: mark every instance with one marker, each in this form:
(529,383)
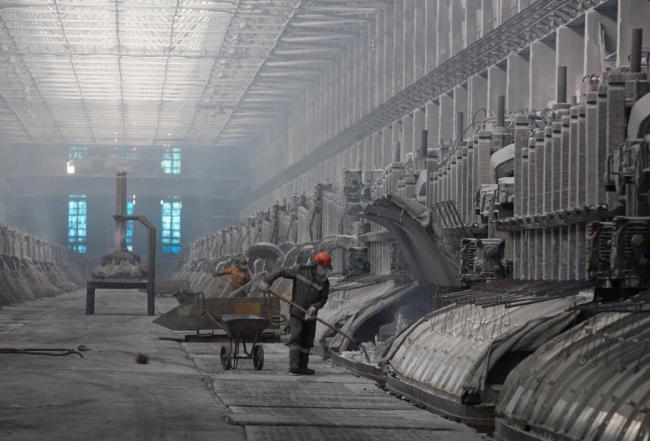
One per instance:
(242,329)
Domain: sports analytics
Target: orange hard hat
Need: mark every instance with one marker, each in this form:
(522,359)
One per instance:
(323,259)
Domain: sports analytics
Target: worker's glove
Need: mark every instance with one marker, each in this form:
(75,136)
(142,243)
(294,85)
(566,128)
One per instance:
(264,287)
(311,313)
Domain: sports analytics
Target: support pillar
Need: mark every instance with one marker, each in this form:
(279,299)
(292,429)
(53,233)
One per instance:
(433,122)
(460,105)
(443,28)
(517,90)
(407,135)
(446,124)
(570,42)
(542,76)
(477,92)
(420,38)
(398,44)
(408,43)
(431,43)
(632,14)
(496,87)
(418,125)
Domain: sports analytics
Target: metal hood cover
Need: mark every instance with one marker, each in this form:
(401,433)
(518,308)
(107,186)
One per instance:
(639,121)
(589,383)
(348,300)
(410,224)
(267,251)
(351,308)
(450,352)
(338,241)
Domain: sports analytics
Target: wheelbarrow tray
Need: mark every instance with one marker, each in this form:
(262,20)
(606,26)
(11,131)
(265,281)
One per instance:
(194,316)
(246,328)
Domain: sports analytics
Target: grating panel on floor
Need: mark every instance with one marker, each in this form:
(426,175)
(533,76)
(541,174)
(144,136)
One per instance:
(317,395)
(299,400)
(412,414)
(332,405)
(278,433)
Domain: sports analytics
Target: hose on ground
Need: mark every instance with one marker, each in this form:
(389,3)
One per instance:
(51,352)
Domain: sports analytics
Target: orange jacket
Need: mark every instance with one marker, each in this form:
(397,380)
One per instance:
(238,277)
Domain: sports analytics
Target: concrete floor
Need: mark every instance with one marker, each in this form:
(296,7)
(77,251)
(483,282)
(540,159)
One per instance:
(182,393)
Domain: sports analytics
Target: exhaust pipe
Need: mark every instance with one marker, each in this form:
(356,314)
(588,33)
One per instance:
(460,127)
(562,84)
(501,111)
(636,51)
(424,145)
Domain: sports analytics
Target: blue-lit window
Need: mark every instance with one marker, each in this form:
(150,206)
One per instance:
(171,163)
(77,153)
(77,216)
(130,209)
(171,225)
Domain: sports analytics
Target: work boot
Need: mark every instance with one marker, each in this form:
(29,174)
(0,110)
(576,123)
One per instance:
(304,361)
(298,359)
(302,371)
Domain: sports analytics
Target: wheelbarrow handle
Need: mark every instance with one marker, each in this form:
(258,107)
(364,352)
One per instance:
(329,325)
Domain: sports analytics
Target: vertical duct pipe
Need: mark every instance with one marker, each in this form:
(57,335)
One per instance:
(601,139)
(636,51)
(531,242)
(453,178)
(476,176)
(469,183)
(591,140)
(531,189)
(565,162)
(581,173)
(556,170)
(461,164)
(573,193)
(539,198)
(562,84)
(614,127)
(501,111)
(521,143)
(539,172)
(120,210)
(521,252)
(548,201)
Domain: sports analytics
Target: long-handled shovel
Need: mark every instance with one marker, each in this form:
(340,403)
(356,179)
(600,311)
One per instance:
(329,325)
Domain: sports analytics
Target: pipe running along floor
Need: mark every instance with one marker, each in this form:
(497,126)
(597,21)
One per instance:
(182,393)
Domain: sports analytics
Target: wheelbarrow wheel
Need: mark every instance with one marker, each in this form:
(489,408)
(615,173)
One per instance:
(258,357)
(226,358)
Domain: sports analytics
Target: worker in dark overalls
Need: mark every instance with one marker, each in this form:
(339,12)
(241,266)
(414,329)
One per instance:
(310,290)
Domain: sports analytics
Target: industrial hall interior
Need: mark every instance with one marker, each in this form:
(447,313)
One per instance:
(354,220)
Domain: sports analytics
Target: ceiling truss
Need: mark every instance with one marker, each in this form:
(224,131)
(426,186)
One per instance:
(163,72)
